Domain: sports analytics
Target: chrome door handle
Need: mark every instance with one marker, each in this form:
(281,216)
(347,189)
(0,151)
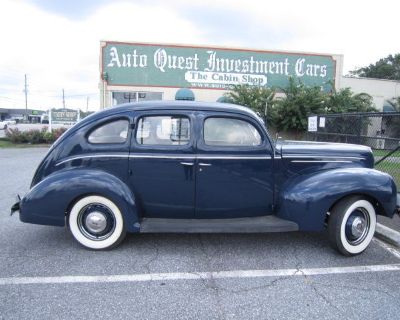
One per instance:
(187,163)
(204,164)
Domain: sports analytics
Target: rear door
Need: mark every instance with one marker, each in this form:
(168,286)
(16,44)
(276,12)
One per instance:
(162,163)
(234,167)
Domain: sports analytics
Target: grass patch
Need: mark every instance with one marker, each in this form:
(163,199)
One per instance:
(391,168)
(382,153)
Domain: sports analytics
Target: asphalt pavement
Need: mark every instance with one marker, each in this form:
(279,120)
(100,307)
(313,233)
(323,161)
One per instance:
(45,274)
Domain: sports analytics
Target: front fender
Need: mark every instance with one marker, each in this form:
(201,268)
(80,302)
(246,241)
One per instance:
(48,201)
(306,199)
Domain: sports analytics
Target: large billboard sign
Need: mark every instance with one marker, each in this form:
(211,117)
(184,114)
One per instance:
(136,64)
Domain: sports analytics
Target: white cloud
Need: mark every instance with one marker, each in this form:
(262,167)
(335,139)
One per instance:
(364,31)
(57,52)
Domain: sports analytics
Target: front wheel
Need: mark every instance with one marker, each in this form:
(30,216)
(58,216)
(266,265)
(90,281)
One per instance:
(96,223)
(351,225)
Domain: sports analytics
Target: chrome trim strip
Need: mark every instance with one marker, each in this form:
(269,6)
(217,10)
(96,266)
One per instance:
(233,157)
(146,156)
(162,156)
(200,156)
(93,156)
(322,157)
(321,161)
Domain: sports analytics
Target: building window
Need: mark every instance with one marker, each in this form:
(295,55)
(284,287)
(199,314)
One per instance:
(135,96)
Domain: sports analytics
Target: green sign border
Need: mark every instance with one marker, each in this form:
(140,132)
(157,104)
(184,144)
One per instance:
(105,44)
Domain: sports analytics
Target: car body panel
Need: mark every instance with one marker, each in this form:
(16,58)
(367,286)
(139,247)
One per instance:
(161,176)
(48,202)
(305,198)
(295,181)
(233,182)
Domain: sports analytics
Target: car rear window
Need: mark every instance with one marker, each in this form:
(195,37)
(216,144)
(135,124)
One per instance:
(111,132)
(230,132)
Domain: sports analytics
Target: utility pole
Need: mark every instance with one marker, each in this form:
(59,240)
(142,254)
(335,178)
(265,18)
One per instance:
(26,98)
(87,104)
(63,99)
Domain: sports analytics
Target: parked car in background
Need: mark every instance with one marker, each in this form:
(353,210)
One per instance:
(5,123)
(203,167)
(44,118)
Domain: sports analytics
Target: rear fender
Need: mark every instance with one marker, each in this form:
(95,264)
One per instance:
(306,199)
(48,202)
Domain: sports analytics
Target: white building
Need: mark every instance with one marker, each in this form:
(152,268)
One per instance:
(380,90)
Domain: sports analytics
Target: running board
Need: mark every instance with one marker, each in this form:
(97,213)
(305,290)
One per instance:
(237,225)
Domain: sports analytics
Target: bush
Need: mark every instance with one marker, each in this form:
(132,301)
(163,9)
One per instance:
(34,136)
(289,113)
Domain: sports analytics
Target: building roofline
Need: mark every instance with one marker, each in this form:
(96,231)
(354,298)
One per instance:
(374,79)
(104,42)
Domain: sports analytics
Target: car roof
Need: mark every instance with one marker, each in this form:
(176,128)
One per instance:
(170,105)
(181,105)
(163,105)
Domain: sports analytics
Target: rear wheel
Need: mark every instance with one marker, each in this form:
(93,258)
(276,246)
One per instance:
(351,225)
(96,223)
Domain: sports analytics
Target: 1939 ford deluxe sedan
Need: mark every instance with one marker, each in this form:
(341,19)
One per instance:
(202,167)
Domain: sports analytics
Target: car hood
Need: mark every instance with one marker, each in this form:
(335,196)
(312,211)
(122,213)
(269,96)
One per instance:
(325,150)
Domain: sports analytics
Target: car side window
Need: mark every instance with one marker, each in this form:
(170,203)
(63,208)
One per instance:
(163,130)
(220,131)
(111,132)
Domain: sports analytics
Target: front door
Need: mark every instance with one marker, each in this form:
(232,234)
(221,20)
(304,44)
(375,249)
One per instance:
(162,164)
(234,168)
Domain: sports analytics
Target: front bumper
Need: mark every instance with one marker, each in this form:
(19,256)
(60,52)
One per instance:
(16,206)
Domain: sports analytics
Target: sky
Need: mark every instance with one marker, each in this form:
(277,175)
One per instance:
(57,43)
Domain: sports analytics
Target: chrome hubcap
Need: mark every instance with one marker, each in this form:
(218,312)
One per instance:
(96,222)
(357,226)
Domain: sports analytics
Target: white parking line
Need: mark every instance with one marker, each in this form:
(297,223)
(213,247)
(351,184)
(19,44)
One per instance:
(387,247)
(199,275)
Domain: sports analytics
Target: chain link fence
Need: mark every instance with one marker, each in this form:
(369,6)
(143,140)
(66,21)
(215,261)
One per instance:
(380,131)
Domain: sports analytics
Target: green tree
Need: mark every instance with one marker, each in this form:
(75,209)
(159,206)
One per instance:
(259,99)
(345,100)
(290,112)
(385,68)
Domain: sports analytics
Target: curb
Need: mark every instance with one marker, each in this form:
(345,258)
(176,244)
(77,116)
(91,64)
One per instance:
(387,234)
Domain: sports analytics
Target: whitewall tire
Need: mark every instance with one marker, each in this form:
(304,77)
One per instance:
(351,225)
(96,223)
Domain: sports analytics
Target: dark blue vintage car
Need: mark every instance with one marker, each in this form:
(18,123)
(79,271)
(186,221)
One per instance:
(202,167)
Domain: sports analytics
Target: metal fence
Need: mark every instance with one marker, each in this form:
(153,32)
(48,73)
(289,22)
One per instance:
(380,131)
